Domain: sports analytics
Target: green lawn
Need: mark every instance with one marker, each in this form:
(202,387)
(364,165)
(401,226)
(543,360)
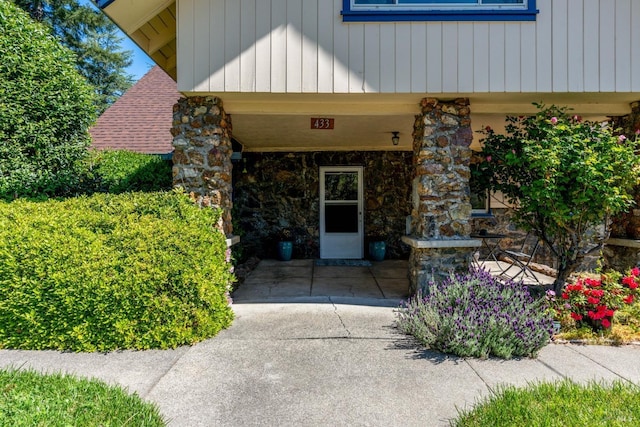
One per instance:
(562,403)
(28,398)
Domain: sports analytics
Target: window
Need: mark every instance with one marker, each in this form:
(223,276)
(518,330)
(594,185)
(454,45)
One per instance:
(478,187)
(480,203)
(438,10)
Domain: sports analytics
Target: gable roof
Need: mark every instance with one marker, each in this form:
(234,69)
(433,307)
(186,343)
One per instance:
(140,120)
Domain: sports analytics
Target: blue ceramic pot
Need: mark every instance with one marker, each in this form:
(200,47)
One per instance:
(285,250)
(377,250)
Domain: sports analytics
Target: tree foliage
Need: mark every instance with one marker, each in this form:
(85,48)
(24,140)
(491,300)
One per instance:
(45,112)
(564,177)
(93,38)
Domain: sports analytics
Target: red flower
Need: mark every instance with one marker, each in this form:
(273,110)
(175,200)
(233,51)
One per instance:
(628,299)
(609,313)
(635,271)
(575,316)
(593,282)
(606,324)
(630,281)
(592,300)
(565,295)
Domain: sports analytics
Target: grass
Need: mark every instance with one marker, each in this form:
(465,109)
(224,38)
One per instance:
(562,403)
(28,398)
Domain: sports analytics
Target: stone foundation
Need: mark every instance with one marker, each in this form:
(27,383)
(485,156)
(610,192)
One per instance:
(435,260)
(202,157)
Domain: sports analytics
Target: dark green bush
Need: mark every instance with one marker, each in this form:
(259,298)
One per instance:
(477,315)
(119,171)
(138,270)
(46,108)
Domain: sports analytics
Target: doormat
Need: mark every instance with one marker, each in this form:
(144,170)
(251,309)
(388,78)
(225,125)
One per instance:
(343,263)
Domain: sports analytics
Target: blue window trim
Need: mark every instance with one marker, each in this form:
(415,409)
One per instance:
(528,14)
(103,3)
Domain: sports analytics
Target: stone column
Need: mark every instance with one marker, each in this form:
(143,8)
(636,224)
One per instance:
(202,157)
(441,212)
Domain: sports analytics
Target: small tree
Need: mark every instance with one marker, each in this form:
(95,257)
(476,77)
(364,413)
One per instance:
(46,108)
(564,177)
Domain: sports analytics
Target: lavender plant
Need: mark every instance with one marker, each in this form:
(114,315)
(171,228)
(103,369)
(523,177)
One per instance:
(476,315)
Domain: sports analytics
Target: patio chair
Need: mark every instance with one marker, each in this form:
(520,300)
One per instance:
(521,260)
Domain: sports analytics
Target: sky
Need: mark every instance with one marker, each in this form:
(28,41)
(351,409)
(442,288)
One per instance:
(141,62)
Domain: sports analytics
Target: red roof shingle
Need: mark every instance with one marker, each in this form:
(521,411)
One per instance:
(140,120)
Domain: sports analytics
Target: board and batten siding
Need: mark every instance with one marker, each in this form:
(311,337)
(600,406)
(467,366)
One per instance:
(302,46)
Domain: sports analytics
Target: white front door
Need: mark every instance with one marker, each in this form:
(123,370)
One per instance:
(341,216)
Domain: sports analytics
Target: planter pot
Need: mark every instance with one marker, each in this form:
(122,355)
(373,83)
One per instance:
(285,250)
(377,250)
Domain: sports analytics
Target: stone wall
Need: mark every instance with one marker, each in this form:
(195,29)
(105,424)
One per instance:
(273,191)
(202,156)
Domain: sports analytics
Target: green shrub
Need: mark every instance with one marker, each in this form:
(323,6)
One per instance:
(119,171)
(33,399)
(477,315)
(46,108)
(138,270)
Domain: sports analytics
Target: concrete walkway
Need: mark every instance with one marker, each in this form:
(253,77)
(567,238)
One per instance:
(317,360)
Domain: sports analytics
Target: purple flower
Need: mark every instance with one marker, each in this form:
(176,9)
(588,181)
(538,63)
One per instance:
(554,120)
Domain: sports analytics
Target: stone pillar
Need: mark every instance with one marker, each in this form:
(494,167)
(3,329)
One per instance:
(202,157)
(441,211)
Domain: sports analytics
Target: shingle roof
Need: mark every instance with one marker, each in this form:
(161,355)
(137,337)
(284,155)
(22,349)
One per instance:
(140,120)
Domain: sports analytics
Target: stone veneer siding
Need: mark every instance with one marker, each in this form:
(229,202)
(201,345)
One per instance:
(281,190)
(441,211)
(202,157)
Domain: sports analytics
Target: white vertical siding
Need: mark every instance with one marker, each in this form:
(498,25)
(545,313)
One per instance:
(607,45)
(248,45)
(418,59)
(302,46)
(559,46)
(387,57)
(263,47)
(310,46)
(512,55)
(635,46)
(575,43)
(481,57)
(232,26)
(434,57)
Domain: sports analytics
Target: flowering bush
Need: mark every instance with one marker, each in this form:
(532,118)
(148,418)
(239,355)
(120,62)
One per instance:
(563,177)
(593,302)
(476,315)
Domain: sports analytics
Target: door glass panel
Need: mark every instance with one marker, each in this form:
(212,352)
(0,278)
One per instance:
(341,186)
(341,218)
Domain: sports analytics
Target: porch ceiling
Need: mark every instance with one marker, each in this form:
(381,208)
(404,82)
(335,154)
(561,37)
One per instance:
(281,122)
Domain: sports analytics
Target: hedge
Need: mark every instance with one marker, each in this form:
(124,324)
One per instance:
(107,272)
(119,171)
